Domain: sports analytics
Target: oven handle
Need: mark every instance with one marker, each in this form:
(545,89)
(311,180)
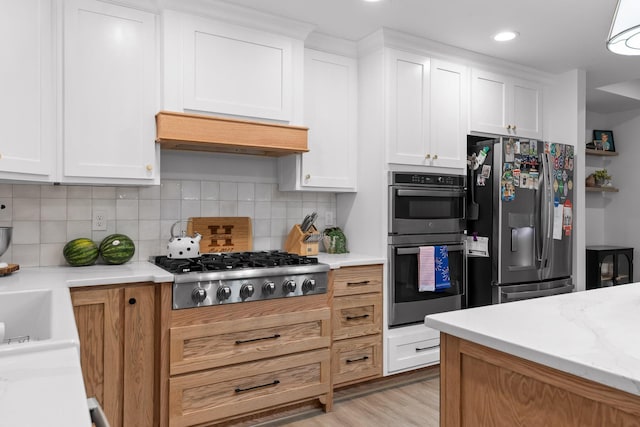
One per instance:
(416,250)
(430,193)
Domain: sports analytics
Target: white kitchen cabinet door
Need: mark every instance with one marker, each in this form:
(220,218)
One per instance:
(230,69)
(408,105)
(110,94)
(504,105)
(449,105)
(330,112)
(27,85)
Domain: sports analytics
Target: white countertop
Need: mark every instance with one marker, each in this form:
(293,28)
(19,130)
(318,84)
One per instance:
(41,382)
(348,259)
(43,388)
(591,334)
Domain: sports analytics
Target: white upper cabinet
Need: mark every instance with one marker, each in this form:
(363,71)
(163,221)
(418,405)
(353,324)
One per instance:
(27,85)
(110,94)
(505,105)
(330,113)
(449,106)
(427,111)
(215,67)
(408,105)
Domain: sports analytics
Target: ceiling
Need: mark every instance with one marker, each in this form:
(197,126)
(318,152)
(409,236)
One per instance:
(555,36)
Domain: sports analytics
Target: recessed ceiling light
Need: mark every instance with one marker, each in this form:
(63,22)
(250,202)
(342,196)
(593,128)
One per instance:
(505,36)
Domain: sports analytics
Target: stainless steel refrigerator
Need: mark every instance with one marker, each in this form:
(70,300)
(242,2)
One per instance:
(520,219)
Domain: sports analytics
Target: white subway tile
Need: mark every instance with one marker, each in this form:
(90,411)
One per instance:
(129,228)
(51,254)
(209,208)
(26,232)
(79,192)
(26,255)
(210,190)
(105,205)
(229,191)
(53,209)
(6,209)
(53,192)
(129,193)
(77,229)
(170,209)
(151,192)
(6,190)
(278,210)
(189,208)
(26,209)
(126,209)
(149,209)
(191,190)
(262,210)
(26,191)
(263,192)
(53,231)
(246,209)
(246,191)
(149,229)
(170,190)
(262,244)
(78,209)
(103,192)
(228,208)
(262,227)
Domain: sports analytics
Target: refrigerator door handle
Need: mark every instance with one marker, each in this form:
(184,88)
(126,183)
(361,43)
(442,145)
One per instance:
(516,296)
(546,219)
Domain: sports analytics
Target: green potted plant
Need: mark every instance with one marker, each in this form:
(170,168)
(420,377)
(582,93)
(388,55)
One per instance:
(602,177)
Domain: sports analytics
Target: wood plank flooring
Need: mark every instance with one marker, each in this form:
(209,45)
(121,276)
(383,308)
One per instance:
(409,400)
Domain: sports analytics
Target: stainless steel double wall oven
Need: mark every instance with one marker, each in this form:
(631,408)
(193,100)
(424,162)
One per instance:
(424,210)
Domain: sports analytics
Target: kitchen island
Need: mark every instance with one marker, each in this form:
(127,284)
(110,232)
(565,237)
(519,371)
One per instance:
(566,360)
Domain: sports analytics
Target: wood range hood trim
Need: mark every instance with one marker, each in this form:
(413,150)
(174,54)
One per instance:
(197,132)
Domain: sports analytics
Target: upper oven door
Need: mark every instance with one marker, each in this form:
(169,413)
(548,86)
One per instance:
(420,210)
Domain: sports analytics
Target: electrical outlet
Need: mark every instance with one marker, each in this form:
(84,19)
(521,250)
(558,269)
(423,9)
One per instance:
(328,218)
(99,221)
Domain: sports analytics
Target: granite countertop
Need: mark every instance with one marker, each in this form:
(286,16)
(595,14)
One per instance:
(589,334)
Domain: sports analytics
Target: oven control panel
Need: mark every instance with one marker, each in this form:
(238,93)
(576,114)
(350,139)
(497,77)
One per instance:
(427,179)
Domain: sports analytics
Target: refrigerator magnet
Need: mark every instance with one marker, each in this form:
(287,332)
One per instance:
(508,191)
(508,151)
(555,185)
(533,147)
(516,177)
(486,171)
(516,147)
(570,184)
(567,217)
(524,179)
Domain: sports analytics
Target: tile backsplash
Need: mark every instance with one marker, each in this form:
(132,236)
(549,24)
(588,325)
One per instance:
(45,217)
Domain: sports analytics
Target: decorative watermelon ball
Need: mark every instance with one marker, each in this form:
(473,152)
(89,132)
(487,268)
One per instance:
(117,249)
(80,252)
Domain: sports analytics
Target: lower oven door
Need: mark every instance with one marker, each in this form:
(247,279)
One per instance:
(407,304)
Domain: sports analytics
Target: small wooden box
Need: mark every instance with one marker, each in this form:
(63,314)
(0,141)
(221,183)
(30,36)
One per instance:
(222,234)
(295,241)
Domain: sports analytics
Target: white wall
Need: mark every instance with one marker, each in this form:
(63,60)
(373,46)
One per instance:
(596,203)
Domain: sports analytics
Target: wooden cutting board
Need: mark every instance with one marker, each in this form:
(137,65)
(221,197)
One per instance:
(222,234)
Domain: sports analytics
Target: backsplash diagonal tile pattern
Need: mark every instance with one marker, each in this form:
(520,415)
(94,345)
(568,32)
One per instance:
(45,217)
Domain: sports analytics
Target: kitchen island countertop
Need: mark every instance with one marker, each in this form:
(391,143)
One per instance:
(590,334)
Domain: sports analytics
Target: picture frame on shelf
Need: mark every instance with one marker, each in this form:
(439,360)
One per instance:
(603,140)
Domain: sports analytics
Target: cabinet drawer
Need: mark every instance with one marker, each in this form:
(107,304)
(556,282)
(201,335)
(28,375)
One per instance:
(223,343)
(356,359)
(414,350)
(221,393)
(357,315)
(357,280)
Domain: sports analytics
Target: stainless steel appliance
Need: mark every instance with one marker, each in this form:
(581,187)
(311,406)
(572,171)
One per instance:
(522,194)
(237,277)
(425,210)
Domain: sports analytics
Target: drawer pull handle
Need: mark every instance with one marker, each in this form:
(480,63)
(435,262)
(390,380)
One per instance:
(364,316)
(418,349)
(241,390)
(364,282)
(360,359)
(272,337)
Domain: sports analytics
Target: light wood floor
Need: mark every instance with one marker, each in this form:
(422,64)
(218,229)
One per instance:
(409,401)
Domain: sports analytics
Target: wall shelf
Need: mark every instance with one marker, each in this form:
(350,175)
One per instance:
(592,152)
(601,189)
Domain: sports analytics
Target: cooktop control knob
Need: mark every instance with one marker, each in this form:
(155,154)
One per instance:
(224,292)
(268,288)
(308,285)
(246,291)
(289,286)
(198,295)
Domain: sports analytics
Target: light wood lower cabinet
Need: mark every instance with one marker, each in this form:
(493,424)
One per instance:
(356,353)
(116,327)
(480,386)
(228,361)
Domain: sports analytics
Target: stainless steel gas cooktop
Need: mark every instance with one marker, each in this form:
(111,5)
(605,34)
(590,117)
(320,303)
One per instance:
(236,277)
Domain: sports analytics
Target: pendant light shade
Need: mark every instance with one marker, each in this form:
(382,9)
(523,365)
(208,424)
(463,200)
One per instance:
(624,37)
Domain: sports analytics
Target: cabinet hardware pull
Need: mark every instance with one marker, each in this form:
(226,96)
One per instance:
(273,337)
(240,390)
(418,349)
(364,316)
(132,301)
(508,126)
(307,176)
(435,157)
(149,168)
(513,127)
(428,156)
(364,282)
(360,359)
